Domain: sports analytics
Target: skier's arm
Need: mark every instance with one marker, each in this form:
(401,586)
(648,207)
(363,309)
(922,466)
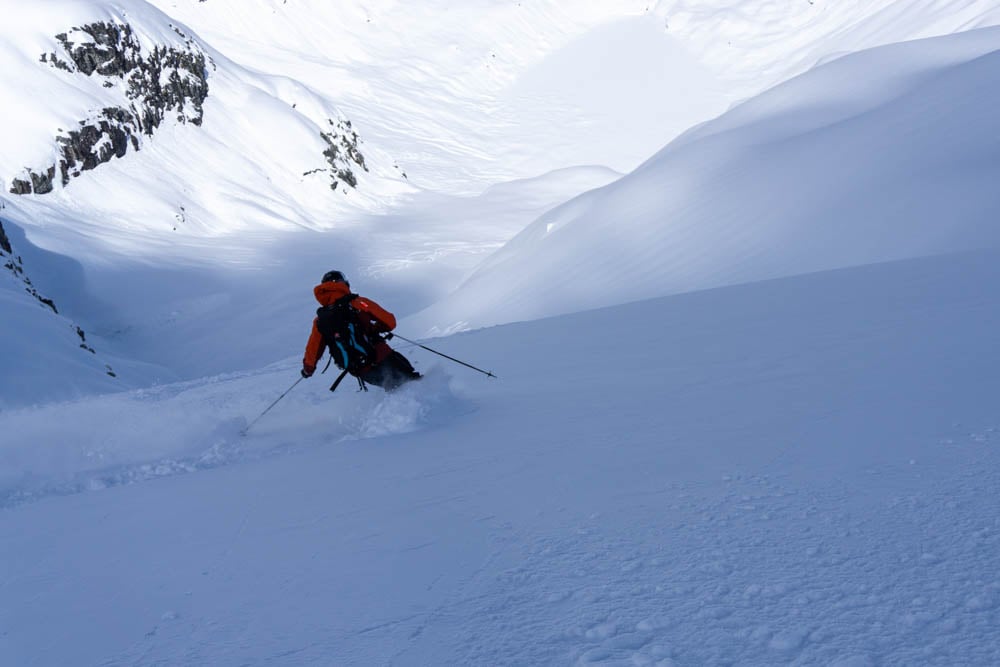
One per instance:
(383,320)
(314,350)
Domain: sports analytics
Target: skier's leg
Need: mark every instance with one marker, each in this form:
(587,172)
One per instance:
(403,365)
(395,370)
(375,376)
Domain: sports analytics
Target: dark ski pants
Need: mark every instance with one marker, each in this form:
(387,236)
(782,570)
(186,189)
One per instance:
(395,370)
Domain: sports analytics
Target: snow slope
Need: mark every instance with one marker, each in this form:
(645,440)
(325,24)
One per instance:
(230,304)
(42,347)
(881,155)
(440,82)
(794,471)
(753,45)
(171,238)
(489,91)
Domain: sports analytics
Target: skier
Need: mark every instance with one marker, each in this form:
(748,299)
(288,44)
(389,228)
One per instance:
(350,326)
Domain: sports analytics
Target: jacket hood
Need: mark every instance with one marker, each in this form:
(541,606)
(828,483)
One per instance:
(327,293)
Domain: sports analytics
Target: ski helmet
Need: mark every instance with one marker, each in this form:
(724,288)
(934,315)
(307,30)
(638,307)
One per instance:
(335,277)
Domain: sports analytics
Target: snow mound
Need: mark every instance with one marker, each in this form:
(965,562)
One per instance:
(882,155)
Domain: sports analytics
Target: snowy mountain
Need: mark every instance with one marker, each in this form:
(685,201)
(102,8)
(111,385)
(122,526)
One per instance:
(742,262)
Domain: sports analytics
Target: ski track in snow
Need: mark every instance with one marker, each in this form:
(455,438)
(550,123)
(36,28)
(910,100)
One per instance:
(131,451)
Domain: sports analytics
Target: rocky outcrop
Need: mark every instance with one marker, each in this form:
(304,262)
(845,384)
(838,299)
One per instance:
(96,143)
(170,81)
(4,242)
(40,183)
(342,153)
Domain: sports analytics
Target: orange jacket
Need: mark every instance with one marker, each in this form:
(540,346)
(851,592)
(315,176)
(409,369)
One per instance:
(374,320)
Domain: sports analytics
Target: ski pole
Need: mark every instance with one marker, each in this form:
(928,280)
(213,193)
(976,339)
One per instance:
(396,335)
(244,431)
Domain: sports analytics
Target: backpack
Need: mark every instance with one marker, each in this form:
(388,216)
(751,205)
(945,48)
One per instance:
(349,346)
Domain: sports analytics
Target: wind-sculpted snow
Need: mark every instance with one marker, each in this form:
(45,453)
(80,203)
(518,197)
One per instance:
(125,438)
(885,154)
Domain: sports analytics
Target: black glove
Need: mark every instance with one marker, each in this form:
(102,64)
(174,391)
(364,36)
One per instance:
(307,372)
(388,336)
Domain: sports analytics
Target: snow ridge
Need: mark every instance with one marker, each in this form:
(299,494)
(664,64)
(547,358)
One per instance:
(877,156)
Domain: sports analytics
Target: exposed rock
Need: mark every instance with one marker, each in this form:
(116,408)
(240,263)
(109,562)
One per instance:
(38,183)
(105,48)
(168,81)
(4,241)
(97,143)
(20,187)
(342,153)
